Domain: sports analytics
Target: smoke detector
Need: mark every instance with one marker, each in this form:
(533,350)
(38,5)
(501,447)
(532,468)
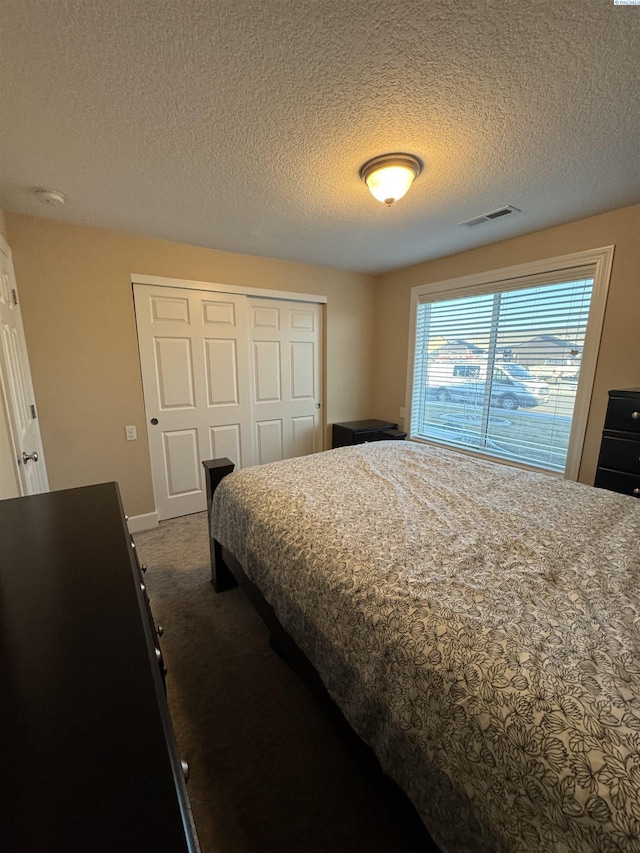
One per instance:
(54,198)
(492,214)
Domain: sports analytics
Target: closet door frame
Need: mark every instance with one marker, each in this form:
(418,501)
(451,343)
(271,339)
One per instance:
(215,287)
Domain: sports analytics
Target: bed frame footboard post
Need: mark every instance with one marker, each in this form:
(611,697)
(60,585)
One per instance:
(215,471)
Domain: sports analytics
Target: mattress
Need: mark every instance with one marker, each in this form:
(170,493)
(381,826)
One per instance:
(478,625)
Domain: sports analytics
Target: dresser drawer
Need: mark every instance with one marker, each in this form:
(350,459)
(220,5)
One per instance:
(621,454)
(623,414)
(616,481)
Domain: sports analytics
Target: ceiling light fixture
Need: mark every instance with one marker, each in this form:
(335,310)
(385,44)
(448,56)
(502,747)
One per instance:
(390,176)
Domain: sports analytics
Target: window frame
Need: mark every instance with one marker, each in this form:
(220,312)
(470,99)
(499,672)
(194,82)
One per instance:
(523,275)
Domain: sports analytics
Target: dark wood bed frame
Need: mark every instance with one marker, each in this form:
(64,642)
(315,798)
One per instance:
(226,573)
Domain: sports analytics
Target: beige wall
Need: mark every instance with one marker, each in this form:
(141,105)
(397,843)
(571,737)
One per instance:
(77,306)
(3,225)
(78,314)
(619,357)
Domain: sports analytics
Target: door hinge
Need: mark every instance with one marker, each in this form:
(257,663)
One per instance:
(33,411)
(15,296)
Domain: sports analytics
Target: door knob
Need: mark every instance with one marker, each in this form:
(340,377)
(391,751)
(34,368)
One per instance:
(27,456)
(154,421)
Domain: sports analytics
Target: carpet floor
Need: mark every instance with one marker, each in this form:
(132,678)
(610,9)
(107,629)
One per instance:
(268,772)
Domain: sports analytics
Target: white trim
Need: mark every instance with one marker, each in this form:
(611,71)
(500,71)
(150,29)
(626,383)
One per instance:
(602,275)
(473,282)
(213,287)
(601,260)
(138,523)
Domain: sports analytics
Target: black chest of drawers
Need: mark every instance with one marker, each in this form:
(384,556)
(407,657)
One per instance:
(619,461)
(359,432)
(89,761)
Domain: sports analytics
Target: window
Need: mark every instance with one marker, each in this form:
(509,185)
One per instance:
(503,363)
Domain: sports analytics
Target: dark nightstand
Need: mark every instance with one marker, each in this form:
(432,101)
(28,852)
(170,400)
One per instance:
(359,432)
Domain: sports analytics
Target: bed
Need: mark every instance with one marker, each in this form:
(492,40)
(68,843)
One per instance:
(478,625)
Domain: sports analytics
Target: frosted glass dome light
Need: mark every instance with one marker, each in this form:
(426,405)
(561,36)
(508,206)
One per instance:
(390,176)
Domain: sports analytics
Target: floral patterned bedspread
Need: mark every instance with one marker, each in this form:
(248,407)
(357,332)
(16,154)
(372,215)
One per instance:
(478,625)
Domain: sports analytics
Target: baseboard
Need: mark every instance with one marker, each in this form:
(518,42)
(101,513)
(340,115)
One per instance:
(138,523)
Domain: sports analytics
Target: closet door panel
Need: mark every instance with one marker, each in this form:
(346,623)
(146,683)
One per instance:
(194,354)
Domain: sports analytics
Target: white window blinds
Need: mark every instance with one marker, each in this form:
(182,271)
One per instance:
(496,371)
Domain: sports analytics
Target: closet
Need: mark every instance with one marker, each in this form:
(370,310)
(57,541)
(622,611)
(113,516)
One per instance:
(225,374)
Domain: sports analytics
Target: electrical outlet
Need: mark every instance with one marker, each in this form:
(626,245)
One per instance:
(130,432)
(402,411)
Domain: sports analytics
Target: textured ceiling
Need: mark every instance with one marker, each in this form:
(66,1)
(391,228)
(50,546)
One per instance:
(241,124)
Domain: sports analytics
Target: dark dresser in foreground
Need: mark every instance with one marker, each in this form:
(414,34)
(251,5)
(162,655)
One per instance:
(359,432)
(619,461)
(89,761)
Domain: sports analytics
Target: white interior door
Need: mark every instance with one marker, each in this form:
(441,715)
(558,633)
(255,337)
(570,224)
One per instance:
(286,394)
(194,358)
(16,386)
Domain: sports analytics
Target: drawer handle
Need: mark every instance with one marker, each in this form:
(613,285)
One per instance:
(185,770)
(143,568)
(159,630)
(635,416)
(163,668)
(636,492)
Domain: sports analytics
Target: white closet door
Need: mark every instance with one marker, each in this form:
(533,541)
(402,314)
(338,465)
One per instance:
(287,376)
(225,375)
(195,364)
(16,386)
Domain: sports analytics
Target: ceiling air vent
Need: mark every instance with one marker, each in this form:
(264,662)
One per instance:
(492,214)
